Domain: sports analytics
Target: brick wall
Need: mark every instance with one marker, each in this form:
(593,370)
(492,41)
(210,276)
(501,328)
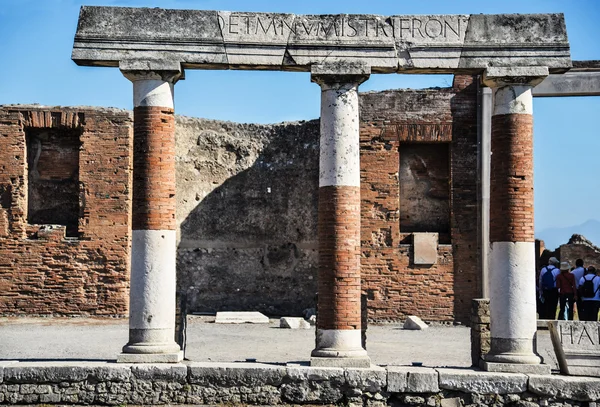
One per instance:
(394,285)
(42,271)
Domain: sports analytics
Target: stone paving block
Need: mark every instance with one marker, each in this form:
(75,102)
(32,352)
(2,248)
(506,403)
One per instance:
(305,384)
(236,374)
(566,387)
(412,379)
(50,372)
(169,372)
(112,372)
(476,381)
(251,317)
(372,379)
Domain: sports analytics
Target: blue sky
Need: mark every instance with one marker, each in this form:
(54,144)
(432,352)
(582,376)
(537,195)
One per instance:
(36,37)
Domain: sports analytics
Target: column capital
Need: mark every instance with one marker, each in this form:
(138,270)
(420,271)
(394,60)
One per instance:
(168,71)
(339,73)
(496,77)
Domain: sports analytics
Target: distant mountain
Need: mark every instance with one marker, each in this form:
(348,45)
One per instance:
(554,237)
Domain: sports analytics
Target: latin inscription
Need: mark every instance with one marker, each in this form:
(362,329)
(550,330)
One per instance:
(409,28)
(581,335)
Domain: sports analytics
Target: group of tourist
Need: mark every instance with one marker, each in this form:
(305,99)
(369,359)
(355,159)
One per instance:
(559,282)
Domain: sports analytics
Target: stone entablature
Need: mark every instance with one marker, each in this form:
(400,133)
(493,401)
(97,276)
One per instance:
(101,383)
(206,39)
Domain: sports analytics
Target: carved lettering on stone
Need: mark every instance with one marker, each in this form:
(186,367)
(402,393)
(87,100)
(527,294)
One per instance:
(577,346)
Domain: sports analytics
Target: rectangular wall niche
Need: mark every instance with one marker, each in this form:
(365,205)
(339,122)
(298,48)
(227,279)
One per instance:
(425,188)
(53,177)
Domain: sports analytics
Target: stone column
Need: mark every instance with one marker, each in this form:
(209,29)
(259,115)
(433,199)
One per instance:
(512,258)
(153,246)
(339,308)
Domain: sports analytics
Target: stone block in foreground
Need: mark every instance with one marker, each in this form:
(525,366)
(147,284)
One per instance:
(577,347)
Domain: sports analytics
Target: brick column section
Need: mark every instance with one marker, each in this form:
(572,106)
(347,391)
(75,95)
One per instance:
(153,247)
(339,308)
(512,248)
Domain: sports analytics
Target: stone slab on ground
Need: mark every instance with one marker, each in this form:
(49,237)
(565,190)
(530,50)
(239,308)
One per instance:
(577,346)
(242,317)
(415,323)
(566,387)
(539,369)
(294,323)
(473,381)
(412,379)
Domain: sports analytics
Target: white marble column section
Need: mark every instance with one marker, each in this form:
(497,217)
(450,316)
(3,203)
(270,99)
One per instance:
(512,291)
(153,246)
(338,336)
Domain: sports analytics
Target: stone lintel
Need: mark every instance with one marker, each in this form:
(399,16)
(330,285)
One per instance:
(204,39)
(168,71)
(578,83)
(495,77)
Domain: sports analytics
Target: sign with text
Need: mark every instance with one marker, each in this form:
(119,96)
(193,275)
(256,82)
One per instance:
(577,346)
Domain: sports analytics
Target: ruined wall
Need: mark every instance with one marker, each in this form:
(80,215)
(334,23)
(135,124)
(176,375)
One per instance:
(64,210)
(247,210)
(578,247)
(428,122)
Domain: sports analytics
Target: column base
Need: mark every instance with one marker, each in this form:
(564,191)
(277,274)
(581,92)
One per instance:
(174,357)
(356,361)
(539,369)
(515,351)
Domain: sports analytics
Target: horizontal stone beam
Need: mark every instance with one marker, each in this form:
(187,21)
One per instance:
(570,84)
(204,39)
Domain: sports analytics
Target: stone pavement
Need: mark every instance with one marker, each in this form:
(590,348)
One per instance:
(102,339)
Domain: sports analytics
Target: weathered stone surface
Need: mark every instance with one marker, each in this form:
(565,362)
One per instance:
(49,372)
(371,380)
(3,364)
(244,317)
(412,379)
(565,387)
(306,384)
(294,323)
(425,248)
(516,368)
(428,43)
(415,323)
(577,346)
(572,83)
(168,372)
(236,374)
(150,357)
(471,381)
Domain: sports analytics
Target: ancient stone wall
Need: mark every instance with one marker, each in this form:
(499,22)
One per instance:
(415,193)
(578,247)
(246,209)
(64,213)
(247,215)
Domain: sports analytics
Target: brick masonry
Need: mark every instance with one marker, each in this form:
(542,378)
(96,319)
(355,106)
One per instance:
(154,163)
(511,184)
(41,271)
(246,211)
(339,258)
(394,285)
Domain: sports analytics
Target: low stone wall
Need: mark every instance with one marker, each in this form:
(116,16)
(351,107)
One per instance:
(104,383)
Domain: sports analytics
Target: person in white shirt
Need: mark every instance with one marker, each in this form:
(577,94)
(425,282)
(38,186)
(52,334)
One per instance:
(591,303)
(578,272)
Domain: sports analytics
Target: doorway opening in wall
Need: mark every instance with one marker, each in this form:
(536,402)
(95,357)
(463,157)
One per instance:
(53,177)
(424,179)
